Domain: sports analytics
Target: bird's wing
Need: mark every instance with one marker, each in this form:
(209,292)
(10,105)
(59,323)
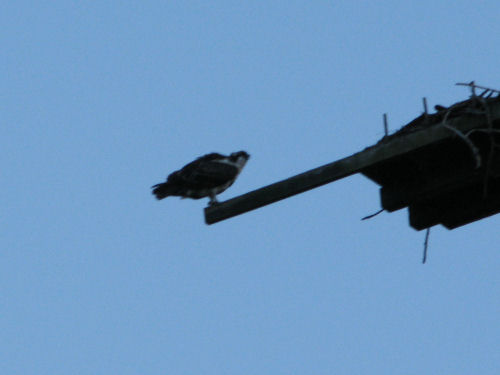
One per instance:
(204,174)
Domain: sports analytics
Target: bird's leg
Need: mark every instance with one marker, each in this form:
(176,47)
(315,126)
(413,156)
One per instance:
(213,200)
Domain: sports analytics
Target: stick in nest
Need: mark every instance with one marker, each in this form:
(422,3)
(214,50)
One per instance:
(373,215)
(426,244)
(473,148)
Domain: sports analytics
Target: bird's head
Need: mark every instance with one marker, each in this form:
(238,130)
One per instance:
(239,157)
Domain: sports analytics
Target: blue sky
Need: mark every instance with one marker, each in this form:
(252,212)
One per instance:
(101,100)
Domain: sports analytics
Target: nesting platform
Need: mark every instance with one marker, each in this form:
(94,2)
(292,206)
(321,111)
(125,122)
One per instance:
(443,166)
(453,180)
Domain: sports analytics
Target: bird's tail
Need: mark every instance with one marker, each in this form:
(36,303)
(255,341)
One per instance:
(162,190)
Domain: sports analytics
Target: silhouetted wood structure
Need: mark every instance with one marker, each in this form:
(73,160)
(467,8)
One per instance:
(442,166)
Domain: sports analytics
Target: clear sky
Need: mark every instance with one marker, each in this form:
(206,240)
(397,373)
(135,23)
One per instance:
(102,99)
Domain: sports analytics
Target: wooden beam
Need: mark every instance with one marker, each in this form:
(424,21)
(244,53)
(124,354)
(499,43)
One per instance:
(382,151)
(284,189)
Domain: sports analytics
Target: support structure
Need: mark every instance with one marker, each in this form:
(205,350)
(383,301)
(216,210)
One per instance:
(418,166)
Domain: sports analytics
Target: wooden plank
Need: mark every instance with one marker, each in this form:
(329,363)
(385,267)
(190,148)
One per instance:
(423,216)
(474,206)
(286,188)
(394,198)
(355,163)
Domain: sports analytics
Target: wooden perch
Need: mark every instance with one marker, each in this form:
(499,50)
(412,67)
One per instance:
(384,150)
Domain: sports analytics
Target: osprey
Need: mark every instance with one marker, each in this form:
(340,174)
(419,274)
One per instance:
(207,176)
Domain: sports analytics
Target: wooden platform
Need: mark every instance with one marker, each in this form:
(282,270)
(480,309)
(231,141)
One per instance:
(427,166)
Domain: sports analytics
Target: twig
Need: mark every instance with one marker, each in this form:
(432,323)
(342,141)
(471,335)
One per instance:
(472,84)
(473,148)
(488,131)
(426,112)
(484,92)
(426,244)
(386,126)
(487,92)
(372,215)
(492,146)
